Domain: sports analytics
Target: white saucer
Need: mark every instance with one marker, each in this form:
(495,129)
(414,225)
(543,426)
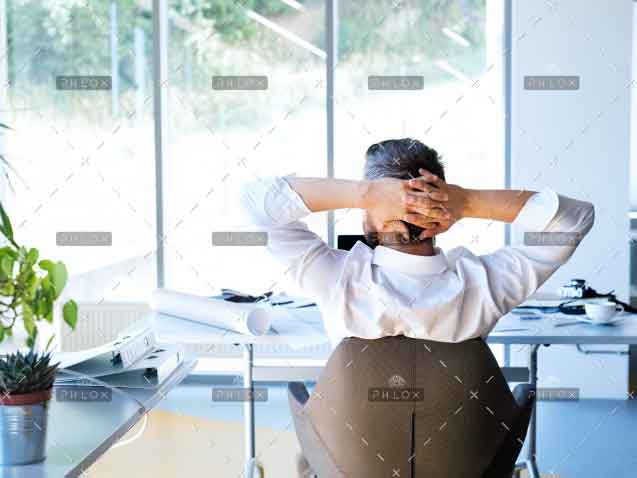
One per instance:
(617,318)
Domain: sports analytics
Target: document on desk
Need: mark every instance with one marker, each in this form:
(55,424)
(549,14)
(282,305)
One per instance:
(300,328)
(295,322)
(245,318)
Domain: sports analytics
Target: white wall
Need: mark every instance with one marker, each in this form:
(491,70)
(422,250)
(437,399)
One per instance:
(578,142)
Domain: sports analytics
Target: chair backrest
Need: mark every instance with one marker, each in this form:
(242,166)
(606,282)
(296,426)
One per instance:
(407,406)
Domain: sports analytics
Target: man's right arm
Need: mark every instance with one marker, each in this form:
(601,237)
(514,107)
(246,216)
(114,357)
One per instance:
(497,205)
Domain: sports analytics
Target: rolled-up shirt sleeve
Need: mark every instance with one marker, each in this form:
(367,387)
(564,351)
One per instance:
(554,225)
(273,206)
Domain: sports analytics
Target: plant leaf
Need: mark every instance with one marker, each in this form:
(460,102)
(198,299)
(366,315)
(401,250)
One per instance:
(57,275)
(44,299)
(8,168)
(28,320)
(69,311)
(7,289)
(9,251)
(48,342)
(6,266)
(32,257)
(6,227)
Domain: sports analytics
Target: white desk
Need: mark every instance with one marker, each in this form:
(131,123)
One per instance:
(544,331)
(305,332)
(79,433)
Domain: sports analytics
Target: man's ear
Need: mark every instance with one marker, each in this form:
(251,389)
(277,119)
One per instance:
(396,232)
(422,236)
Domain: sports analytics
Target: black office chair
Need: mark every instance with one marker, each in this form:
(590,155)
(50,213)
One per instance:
(466,423)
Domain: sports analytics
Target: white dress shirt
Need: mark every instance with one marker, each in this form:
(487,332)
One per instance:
(373,293)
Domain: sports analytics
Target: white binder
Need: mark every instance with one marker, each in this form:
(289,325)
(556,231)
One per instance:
(131,361)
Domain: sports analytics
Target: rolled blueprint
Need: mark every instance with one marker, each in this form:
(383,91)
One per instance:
(253,319)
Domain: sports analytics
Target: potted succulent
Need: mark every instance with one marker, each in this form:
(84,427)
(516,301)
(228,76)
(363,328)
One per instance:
(26,382)
(29,289)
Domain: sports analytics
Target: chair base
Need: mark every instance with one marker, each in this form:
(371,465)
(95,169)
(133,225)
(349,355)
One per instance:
(303,468)
(253,469)
(529,465)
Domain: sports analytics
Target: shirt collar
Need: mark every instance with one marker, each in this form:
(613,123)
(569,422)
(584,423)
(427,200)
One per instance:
(410,263)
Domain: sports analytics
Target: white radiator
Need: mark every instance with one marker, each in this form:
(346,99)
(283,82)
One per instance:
(100,323)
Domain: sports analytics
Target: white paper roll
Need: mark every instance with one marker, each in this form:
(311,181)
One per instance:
(253,319)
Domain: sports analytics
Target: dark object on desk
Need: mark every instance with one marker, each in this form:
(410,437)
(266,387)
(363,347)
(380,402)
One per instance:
(563,308)
(530,317)
(590,293)
(574,289)
(313,304)
(375,386)
(577,309)
(285,302)
(566,324)
(582,291)
(347,241)
(235,296)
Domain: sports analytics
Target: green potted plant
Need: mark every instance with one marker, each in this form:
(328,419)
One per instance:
(29,289)
(26,382)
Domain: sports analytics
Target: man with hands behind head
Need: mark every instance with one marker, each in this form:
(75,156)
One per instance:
(404,284)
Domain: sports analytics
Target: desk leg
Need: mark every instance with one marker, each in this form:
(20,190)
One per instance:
(531,464)
(632,372)
(248,410)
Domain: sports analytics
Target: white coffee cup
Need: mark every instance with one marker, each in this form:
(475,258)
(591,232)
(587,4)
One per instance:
(602,312)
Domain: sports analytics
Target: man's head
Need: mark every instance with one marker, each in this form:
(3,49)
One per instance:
(401,159)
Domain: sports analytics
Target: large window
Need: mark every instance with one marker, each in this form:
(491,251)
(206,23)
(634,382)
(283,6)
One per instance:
(77,92)
(87,158)
(222,130)
(453,49)
(449,57)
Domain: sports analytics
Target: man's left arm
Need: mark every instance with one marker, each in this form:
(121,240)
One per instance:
(274,207)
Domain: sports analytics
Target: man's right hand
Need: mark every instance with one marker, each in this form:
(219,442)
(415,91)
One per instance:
(455,205)
(389,201)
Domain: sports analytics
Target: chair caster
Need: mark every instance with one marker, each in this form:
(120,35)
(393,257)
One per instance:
(517,471)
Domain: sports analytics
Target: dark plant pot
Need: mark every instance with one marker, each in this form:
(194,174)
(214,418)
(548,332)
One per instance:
(23,424)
